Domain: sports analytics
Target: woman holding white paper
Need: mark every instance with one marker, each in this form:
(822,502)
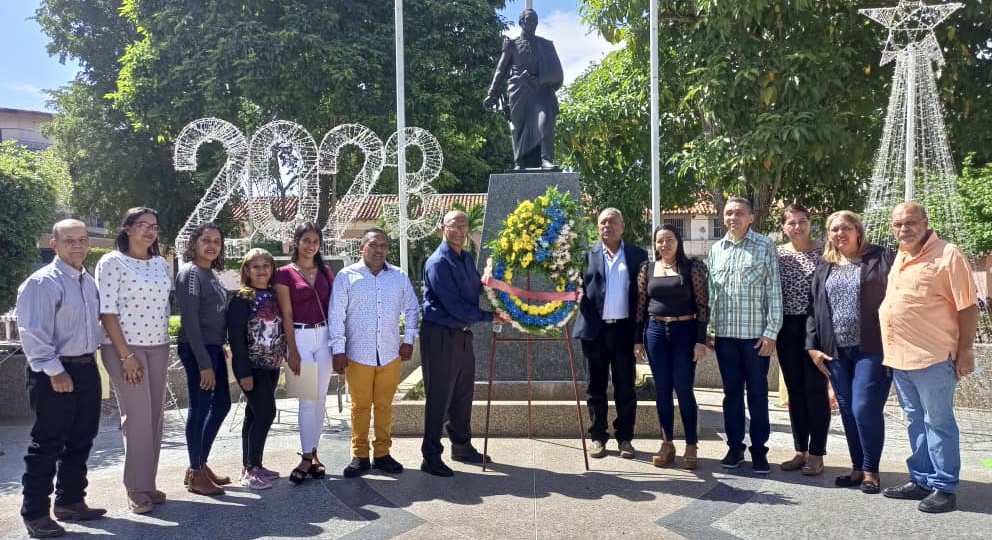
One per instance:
(303,289)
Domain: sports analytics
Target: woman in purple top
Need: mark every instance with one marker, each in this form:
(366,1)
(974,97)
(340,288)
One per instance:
(303,289)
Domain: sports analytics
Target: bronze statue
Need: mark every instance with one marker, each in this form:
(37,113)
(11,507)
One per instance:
(531,72)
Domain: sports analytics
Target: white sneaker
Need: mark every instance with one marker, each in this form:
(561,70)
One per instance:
(597,449)
(255,481)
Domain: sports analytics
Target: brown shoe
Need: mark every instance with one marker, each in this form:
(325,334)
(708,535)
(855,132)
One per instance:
(157,497)
(689,460)
(219,480)
(813,466)
(665,455)
(43,527)
(139,502)
(795,463)
(77,512)
(201,484)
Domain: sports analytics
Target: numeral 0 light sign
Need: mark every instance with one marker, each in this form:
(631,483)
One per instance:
(299,162)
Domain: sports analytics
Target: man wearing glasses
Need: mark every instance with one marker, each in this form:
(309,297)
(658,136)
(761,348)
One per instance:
(452,286)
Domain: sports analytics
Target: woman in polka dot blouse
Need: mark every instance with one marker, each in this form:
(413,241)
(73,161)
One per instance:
(135,282)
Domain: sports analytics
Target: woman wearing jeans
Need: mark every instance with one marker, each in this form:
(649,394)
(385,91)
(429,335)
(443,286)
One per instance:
(809,404)
(843,338)
(673,310)
(258,347)
(134,282)
(303,289)
(202,309)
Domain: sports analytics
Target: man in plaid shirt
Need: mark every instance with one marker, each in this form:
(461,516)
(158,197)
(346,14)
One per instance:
(745,317)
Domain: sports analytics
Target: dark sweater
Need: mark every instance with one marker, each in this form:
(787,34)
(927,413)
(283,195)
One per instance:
(202,309)
(876,262)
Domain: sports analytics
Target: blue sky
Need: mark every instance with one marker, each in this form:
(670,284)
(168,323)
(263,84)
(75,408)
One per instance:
(26,70)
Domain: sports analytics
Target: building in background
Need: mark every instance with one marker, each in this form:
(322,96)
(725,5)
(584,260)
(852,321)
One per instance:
(24,127)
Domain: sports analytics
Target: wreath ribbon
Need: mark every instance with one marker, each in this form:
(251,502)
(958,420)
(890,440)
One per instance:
(567,296)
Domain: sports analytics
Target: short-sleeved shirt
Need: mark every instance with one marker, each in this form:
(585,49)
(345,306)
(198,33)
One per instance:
(796,269)
(137,291)
(308,307)
(919,315)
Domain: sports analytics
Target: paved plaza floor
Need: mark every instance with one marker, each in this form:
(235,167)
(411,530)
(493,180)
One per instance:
(536,489)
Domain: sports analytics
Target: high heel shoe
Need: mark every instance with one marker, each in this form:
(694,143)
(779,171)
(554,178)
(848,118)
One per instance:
(665,455)
(689,460)
(299,474)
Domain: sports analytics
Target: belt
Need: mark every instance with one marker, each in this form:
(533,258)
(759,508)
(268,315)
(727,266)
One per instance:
(81,359)
(613,321)
(664,319)
(302,326)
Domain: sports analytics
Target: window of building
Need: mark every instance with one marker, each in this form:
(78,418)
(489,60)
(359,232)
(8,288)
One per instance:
(679,224)
(717,230)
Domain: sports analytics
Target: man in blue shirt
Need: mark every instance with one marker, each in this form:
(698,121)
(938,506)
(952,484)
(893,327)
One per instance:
(59,325)
(452,286)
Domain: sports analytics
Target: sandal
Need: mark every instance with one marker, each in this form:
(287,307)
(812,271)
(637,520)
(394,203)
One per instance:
(665,455)
(317,469)
(848,480)
(299,474)
(809,469)
(689,461)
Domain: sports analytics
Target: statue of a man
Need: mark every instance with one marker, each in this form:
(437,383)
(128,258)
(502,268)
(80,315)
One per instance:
(531,71)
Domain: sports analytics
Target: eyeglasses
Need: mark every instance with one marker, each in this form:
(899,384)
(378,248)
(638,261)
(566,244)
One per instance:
(145,226)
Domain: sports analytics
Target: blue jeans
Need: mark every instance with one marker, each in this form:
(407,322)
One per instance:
(207,409)
(862,386)
(742,369)
(927,397)
(670,355)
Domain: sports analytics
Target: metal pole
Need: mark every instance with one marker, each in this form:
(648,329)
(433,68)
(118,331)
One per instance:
(910,105)
(401,134)
(530,4)
(655,147)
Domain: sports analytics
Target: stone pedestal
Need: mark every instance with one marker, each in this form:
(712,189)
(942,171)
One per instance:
(550,359)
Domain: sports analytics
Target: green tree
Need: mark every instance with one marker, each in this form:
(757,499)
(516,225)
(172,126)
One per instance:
(151,66)
(975,187)
(29,187)
(775,100)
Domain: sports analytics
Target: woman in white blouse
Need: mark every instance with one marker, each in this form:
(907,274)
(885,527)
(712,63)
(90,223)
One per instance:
(134,282)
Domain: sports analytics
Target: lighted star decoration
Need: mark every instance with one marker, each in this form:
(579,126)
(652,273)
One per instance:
(911,25)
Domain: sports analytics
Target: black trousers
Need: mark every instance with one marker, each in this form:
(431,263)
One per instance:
(449,380)
(260,412)
(809,404)
(612,352)
(61,438)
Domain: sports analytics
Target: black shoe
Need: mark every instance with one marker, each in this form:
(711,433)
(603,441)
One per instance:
(847,481)
(939,502)
(759,463)
(43,527)
(910,491)
(77,512)
(734,458)
(870,487)
(387,464)
(357,467)
(466,453)
(434,465)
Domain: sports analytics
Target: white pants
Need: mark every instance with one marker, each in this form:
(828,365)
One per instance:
(313,346)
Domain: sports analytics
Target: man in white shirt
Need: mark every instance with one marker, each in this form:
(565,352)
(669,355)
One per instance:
(366,303)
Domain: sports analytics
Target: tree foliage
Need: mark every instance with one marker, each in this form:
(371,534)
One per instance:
(29,186)
(975,187)
(774,100)
(151,66)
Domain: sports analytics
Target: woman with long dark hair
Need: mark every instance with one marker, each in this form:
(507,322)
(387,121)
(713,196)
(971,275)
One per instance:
(672,312)
(844,340)
(202,303)
(258,348)
(135,282)
(303,289)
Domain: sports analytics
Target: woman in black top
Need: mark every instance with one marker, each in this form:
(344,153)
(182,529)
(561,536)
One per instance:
(672,312)
(258,348)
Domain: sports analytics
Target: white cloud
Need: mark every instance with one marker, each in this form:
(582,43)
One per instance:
(577,44)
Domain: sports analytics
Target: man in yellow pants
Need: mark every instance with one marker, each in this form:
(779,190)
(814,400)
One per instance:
(368,299)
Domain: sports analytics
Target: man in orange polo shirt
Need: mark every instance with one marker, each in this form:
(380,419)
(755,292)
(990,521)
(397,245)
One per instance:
(928,318)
